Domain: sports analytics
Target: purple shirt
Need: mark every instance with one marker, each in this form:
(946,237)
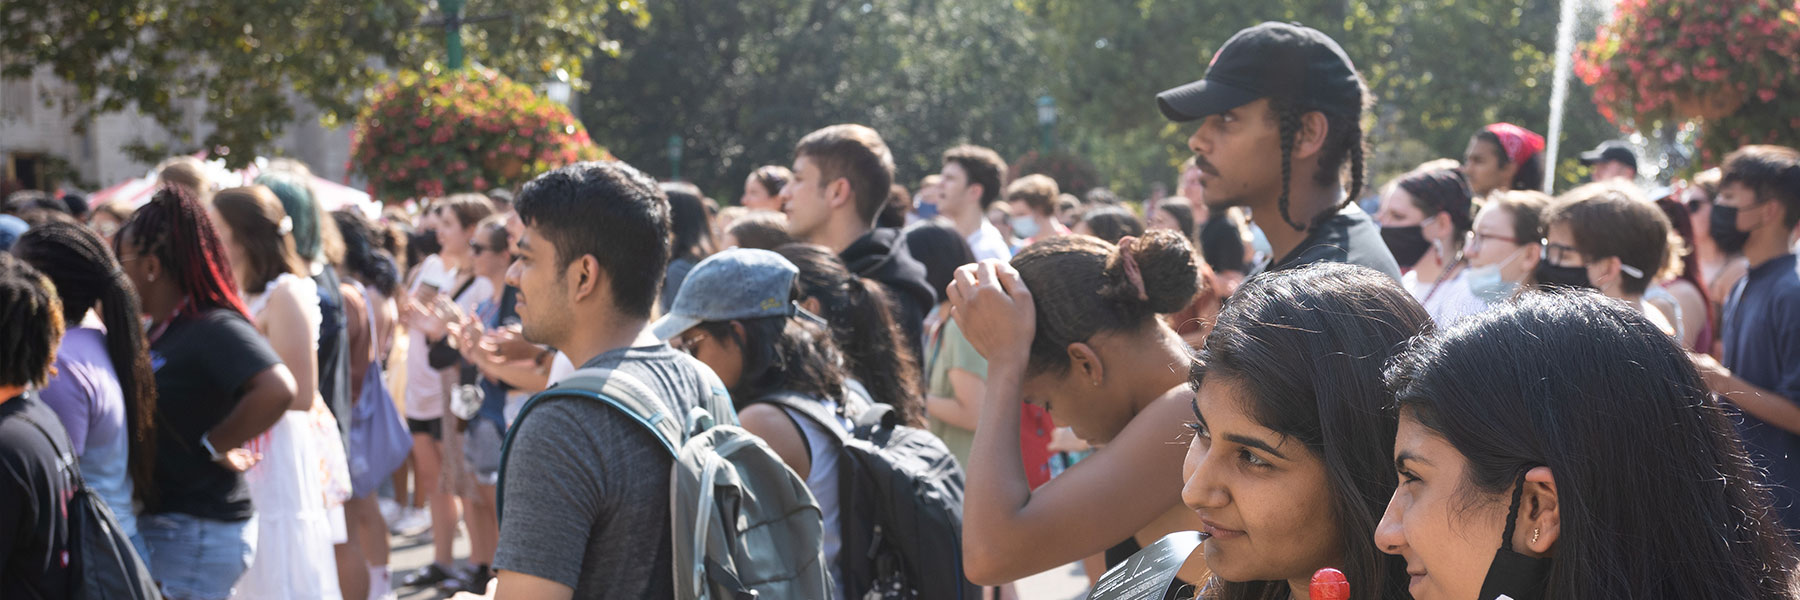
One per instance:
(86,397)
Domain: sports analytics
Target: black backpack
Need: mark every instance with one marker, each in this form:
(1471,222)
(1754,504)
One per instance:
(102,558)
(901,494)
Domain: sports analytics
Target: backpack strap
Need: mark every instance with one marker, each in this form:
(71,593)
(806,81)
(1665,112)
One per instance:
(629,395)
(612,387)
(63,458)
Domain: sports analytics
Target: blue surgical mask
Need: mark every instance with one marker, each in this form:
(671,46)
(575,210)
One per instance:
(1024,227)
(1486,283)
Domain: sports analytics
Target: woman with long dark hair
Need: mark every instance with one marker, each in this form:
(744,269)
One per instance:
(860,313)
(741,317)
(1425,218)
(1072,326)
(218,385)
(295,486)
(1718,245)
(371,283)
(1504,156)
(103,391)
(1564,447)
(1678,289)
(1291,443)
(692,229)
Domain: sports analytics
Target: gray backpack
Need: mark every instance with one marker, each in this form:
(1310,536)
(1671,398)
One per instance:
(743,524)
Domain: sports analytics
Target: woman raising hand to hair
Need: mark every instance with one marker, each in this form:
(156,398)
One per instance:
(1071,325)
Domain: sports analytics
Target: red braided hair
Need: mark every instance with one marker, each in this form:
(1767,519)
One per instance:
(174,227)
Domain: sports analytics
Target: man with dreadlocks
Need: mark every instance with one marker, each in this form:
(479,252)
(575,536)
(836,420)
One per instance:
(1280,112)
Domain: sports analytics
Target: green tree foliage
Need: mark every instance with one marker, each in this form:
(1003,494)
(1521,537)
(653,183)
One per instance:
(1438,69)
(742,81)
(248,60)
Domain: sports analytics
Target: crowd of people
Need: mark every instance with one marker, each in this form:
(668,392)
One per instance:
(1448,386)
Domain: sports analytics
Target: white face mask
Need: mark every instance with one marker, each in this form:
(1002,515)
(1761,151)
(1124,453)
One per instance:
(1487,284)
(1024,227)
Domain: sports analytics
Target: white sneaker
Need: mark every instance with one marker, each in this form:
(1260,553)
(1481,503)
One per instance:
(390,510)
(412,522)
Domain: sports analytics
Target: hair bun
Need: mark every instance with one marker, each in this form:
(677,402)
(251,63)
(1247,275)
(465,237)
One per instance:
(1165,262)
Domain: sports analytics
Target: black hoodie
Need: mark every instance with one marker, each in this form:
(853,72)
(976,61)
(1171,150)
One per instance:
(881,255)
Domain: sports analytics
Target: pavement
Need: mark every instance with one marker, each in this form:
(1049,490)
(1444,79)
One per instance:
(412,552)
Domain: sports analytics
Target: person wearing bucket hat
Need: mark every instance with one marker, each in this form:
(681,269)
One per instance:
(1280,111)
(738,313)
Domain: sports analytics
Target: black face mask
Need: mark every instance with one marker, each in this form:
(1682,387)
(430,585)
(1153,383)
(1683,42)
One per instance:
(1723,227)
(1515,575)
(425,240)
(1550,275)
(1407,243)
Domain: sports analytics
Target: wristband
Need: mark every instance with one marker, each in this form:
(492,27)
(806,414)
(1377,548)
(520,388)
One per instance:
(210,451)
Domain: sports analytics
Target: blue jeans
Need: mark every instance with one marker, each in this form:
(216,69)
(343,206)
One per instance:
(194,558)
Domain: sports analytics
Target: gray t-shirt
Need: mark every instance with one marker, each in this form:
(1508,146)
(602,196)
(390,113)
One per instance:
(587,489)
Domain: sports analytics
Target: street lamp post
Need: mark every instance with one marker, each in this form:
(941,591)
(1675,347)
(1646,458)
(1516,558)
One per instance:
(453,23)
(1046,109)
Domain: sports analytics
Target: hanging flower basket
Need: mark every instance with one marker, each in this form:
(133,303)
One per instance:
(426,135)
(1708,106)
(1723,63)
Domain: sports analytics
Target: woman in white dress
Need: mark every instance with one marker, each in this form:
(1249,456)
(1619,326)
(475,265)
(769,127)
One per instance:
(300,482)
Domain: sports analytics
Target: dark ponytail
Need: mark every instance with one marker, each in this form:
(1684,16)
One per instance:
(364,257)
(862,323)
(87,275)
(1083,287)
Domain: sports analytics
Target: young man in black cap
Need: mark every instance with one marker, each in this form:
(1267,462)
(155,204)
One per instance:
(1611,160)
(1280,112)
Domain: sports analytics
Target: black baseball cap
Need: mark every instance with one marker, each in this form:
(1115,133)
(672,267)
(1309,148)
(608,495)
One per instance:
(1289,61)
(1615,151)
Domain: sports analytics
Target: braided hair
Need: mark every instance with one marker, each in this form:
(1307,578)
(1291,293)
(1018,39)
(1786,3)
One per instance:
(88,276)
(175,229)
(31,324)
(1343,141)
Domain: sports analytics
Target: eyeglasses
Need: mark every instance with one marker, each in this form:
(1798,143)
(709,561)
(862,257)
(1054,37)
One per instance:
(477,248)
(1567,256)
(687,342)
(1475,239)
(1694,204)
(1561,255)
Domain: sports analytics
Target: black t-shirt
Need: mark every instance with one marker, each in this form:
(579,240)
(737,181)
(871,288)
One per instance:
(1347,237)
(202,363)
(34,493)
(334,350)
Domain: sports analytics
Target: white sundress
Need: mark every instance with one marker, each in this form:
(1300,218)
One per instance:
(297,487)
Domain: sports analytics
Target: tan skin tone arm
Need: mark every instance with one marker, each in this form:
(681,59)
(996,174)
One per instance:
(1012,532)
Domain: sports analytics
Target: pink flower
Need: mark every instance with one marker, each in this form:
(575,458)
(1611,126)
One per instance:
(1766,95)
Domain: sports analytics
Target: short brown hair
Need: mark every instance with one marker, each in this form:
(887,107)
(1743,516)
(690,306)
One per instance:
(763,230)
(854,153)
(1527,210)
(1037,191)
(1611,218)
(1773,172)
(469,209)
(256,219)
(985,168)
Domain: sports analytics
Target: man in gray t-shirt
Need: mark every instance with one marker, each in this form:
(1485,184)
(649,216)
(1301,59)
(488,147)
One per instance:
(587,488)
(585,501)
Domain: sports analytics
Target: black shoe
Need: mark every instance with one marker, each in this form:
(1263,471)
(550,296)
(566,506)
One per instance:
(474,581)
(427,575)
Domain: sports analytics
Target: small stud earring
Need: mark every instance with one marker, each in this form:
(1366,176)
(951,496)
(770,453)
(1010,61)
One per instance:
(1534,535)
